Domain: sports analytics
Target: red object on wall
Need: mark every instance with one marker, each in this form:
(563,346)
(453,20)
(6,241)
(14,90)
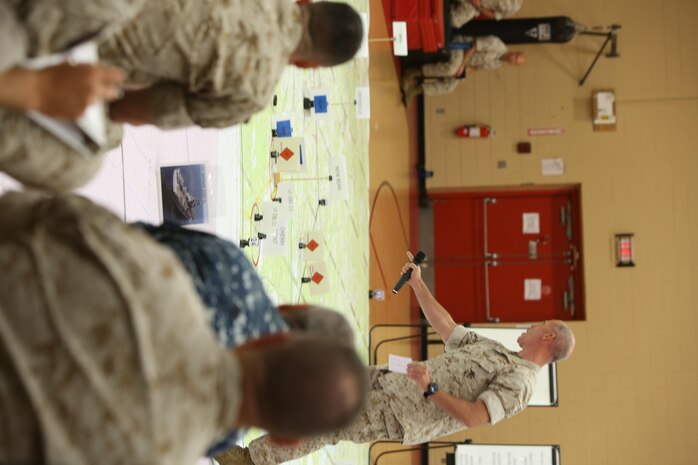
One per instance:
(425,23)
(475,131)
(509,255)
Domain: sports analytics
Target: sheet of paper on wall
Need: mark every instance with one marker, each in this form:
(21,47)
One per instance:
(273,217)
(321,104)
(287,196)
(289,154)
(314,248)
(317,274)
(363,103)
(533,289)
(605,108)
(339,185)
(91,127)
(282,124)
(363,50)
(531,223)
(398,364)
(400,39)
(552,166)
(276,244)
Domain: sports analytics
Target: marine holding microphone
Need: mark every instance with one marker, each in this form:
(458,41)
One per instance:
(476,381)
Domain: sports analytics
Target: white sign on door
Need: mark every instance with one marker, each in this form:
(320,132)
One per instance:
(531,223)
(533,289)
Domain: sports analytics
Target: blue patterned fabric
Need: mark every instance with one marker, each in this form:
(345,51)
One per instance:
(238,308)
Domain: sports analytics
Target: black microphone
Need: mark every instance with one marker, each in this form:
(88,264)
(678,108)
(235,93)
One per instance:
(419,258)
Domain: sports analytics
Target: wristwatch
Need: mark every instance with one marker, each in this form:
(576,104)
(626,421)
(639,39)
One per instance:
(432,389)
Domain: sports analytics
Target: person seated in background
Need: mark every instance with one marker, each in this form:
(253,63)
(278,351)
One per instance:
(36,28)
(106,355)
(463,11)
(237,306)
(476,381)
(485,53)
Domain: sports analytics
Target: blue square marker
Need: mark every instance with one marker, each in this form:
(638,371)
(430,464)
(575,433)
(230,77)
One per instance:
(320,103)
(283,128)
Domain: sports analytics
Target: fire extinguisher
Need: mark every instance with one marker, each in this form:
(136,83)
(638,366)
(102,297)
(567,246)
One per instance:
(475,131)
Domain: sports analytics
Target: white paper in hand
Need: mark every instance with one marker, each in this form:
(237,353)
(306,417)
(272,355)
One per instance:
(398,364)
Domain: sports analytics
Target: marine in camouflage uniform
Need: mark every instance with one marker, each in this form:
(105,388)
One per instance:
(105,355)
(34,28)
(210,63)
(472,368)
(463,11)
(443,78)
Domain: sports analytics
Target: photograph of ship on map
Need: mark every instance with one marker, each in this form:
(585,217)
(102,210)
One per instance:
(184,197)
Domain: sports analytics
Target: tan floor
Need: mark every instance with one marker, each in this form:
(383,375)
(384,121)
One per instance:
(390,162)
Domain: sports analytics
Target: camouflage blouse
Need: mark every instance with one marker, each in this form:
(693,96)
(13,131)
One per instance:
(473,367)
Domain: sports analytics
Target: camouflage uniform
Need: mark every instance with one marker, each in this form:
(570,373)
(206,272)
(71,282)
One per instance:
(463,11)
(211,63)
(110,359)
(31,28)
(488,53)
(473,367)
(439,78)
(35,157)
(39,27)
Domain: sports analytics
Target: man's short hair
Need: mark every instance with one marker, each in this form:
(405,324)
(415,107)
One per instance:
(336,31)
(320,321)
(564,342)
(311,386)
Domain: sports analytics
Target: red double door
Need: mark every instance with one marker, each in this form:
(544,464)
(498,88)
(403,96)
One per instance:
(509,255)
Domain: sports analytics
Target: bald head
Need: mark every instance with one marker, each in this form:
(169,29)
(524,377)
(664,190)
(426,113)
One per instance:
(546,342)
(563,344)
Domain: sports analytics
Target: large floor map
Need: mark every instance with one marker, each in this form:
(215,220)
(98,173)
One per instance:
(240,181)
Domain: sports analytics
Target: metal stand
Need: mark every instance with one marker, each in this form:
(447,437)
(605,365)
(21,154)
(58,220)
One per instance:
(611,36)
(424,448)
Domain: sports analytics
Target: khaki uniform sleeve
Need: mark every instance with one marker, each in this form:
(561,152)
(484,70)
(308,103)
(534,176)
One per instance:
(33,156)
(13,38)
(46,27)
(461,336)
(462,11)
(507,395)
(506,8)
(174,107)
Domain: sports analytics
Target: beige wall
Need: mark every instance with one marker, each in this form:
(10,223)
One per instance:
(630,393)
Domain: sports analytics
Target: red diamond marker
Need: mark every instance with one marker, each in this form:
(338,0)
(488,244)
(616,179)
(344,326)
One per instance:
(287,153)
(317,278)
(312,245)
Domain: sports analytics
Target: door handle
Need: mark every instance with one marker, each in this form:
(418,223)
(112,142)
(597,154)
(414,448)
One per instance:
(532,250)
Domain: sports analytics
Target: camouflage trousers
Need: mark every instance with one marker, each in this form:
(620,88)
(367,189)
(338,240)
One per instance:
(439,86)
(35,157)
(376,422)
(439,78)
